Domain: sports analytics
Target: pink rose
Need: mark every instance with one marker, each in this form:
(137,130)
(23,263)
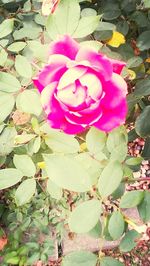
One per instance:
(81,88)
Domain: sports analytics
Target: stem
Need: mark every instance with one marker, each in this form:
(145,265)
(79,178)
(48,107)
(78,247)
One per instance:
(35,65)
(136,180)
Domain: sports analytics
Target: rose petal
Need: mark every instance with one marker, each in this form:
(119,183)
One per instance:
(64,46)
(97,61)
(93,84)
(55,113)
(85,119)
(112,118)
(115,90)
(73,95)
(47,96)
(51,72)
(117,65)
(70,76)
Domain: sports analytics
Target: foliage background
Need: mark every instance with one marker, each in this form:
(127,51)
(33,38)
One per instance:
(31,202)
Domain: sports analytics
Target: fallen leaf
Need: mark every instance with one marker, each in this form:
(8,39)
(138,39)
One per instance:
(20,118)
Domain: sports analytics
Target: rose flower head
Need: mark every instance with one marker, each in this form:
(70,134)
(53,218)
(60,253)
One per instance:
(81,88)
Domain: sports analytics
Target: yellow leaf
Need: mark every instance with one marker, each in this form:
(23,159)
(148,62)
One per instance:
(83,146)
(116,40)
(147,60)
(132,74)
(41,165)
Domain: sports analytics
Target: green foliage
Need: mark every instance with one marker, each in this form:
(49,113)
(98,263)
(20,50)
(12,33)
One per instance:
(9,83)
(129,241)
(78,172)
(116,225)
(108,261)
(131,199)
(6,181)
(144,208)
(110,179)
(25,191)
(61,168)
(90,211)
(80,258)
(142,124)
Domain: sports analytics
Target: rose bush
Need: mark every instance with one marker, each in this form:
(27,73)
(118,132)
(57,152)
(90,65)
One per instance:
(80,88)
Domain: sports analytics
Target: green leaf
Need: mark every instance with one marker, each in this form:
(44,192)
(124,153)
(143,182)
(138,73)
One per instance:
(111,11)
(102,26)
(16,47)
(134,161)
(85,216)
(54,191)
(129,241)
(116,225)
(146,3)
(8,83)
(25,164)
(122,27)
(13,261)
(134,61)
(92,166)
(86,12)
(108,261)
(86,26)
(61,142)
(67,173)
(146,150)
(80,258)
(103,35)
(144,207)
(96,230)
(34,145)
(23,138)
(7,139)
(110,179)
(143,41)
(3,57)
(142,124)
(132,100)
(7,102)
(6,27)
(119,191)
(28,101)
(25,191)
(119,153)
(131,199)
(116,138)
(142,87)
(95,45)
(23,67)
(60,23)
(9,177)
(95,140)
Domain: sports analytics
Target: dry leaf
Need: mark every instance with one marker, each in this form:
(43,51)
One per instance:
(20,118)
